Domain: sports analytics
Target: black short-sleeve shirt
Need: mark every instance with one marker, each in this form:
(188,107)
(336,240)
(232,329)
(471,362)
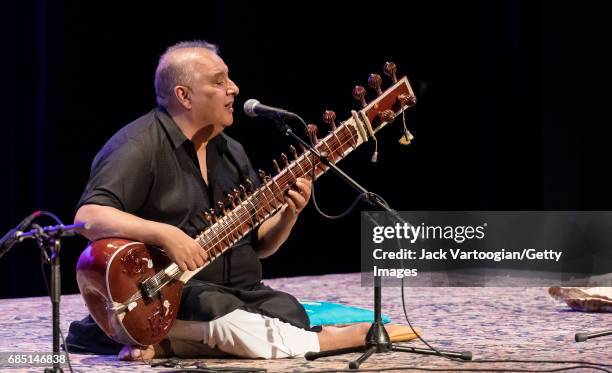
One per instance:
(151,170)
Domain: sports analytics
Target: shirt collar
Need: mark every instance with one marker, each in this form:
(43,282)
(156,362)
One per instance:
(178,138)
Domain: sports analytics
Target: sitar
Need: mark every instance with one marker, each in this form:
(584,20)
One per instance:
(133,291)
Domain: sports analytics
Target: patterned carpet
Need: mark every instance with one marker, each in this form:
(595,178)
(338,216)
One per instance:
(492,323)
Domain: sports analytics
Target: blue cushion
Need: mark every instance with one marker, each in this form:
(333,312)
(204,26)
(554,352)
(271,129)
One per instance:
(325,313)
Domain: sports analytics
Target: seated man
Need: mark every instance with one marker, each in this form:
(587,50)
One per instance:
(151,182)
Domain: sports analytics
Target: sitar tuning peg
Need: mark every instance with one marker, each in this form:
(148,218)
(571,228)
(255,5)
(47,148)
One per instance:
(375,81)
(237,195)
(311,131)
(390,69)
(231,199)
(262,176)
(208,217)
(221,208)
(329,117)
(284,159)
(293,151)
(387,116)
(276,166)
(213,214)
(249,185)
(406,100)
(359,94)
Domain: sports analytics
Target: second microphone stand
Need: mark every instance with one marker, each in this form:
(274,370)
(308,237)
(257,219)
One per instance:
(49,241)
(377,339)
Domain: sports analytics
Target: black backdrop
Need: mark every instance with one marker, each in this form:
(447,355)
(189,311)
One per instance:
(511,111)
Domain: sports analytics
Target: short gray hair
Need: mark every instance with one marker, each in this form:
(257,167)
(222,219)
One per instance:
(170,72)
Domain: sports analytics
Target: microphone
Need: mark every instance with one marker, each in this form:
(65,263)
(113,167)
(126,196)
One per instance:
(59,230)
(254,108)
(12,236)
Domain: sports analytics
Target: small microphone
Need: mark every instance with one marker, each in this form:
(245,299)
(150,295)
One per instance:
(12,237)
(254,108)
(59,230)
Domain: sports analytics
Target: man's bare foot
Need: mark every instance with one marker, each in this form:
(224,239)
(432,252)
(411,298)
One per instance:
(132,353)
(331,338)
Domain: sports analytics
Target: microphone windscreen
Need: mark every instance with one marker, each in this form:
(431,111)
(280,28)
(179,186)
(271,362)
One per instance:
(249,107)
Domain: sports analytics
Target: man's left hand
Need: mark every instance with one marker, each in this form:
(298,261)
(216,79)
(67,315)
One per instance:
(296,199)
(273,232)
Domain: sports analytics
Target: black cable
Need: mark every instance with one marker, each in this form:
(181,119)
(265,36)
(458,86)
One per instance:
(540,361)
(52,216)
(216,370)
(314,177)
(579,365)
(450,369)
(333,217)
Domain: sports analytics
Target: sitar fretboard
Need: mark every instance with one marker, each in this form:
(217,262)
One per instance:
(269,197)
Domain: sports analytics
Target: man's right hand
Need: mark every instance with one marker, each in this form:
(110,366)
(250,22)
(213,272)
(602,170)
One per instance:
(107,221)
(182,249)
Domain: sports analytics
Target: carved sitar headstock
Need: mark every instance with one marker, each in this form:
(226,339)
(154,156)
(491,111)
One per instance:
(381,110)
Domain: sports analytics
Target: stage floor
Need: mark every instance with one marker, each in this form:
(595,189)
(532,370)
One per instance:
(492,323)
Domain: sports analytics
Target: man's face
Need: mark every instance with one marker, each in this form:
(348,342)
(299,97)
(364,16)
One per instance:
(212,92)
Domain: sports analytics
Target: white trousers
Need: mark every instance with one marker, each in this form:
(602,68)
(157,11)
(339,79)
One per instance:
(242,334)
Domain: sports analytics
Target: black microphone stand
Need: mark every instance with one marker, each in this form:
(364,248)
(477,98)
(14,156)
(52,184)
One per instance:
(377,339)
(48,239)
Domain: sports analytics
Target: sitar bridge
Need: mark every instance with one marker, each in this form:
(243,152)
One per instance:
(151,286)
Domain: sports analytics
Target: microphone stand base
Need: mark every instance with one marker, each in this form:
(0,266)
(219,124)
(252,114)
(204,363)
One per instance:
(377,341)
